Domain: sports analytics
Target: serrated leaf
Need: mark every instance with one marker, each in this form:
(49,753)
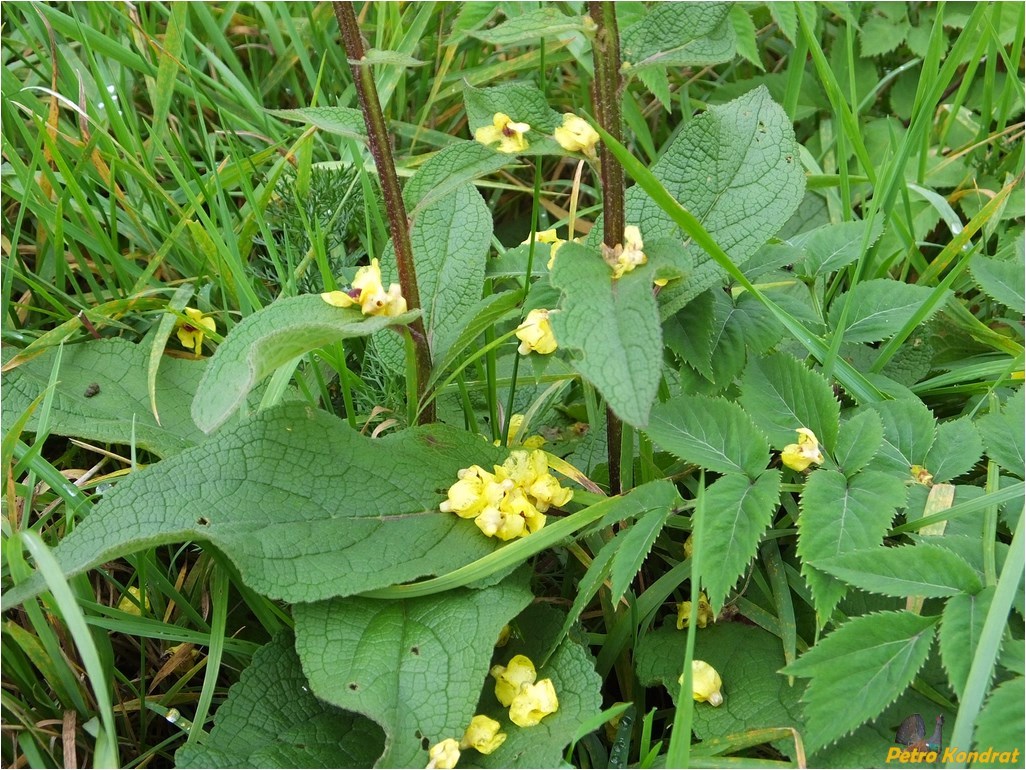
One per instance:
(909,433)
(747,658)
(634,547)
(956,449)
(910,570)
(679,35)
(119,411)
(745,35)
(414,666)
(739,510)
(1000,725)
(450,240)
(472,16)
(711,432)
(882,34)
(865,664)
(858,441)
(1003,279)
(271,719)
(831,247)
(358,513)
(838,516)
(689,333)
(270,338)
(878,309)
(781,395)
(786,18)
(611,328)
(657,81)
(741,199)
(523,102)
(961,627)
(530,26)
(343,121)
(450,168)
(1003,435)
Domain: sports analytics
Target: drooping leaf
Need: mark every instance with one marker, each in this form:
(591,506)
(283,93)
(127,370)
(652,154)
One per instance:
(270,338)
(745,35)
(414,666)
(960,630)
(865,664)
(741,199)
(956,449)
(117,409)
(611,328)
(781,395)
(529,27)
(271,719)
(909,433)
(306,507)
(878,309)
(711,432)
(739,510)
(679,35)
(999,726)
(910,570)
(858,441)
(344,121)
(1003,435)
(452,167)
(838,516)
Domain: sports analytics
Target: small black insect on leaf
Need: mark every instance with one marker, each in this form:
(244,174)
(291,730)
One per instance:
(92,390)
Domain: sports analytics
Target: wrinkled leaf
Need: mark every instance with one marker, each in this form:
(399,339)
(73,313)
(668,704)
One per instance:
(679,35)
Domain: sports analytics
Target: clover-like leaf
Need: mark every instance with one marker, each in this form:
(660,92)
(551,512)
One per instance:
(271,719)
(414,666)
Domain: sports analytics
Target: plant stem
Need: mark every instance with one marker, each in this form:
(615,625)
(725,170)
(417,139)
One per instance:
(399,226)
(606,97)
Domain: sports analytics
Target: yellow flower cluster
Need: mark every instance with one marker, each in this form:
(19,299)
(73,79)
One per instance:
(482,734)
(806,452)
(192,332)
(628,255)
(705,683)
(705,613)
(511,502)
(137,607)
(368,292)
(555,242)
(529,701)
(516,422)
(535,333)
(575,135)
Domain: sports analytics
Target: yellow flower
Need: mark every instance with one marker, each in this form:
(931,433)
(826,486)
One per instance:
(369,294)
(482,734)
(191,332)
(689,546)
(555,243)
(516,422)
(535,333)
(510,678)
(577,135)
(508,134)
(476,490)
(806,452)
(705,613)
(705,683)
(444,755)
(504,634)
(533,703)
(628,255)
(140,605)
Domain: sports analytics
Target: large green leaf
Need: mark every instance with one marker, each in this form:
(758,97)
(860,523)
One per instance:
(858,441)
(999,726)
(611,328)
(450,240)
(271,719)
(911,570)
(782,395)
(270,338)
(679,35)
(865,664)
(838,516)
(739,510)
(960,631)
(830,247)
(735,168)
(522,102)
(956,449)
(344,121)
(1003,434)
(909,433)
(451,167)
(878,309)
(119,411)
(414,666)
(547,21)
(305,506)
(711,432)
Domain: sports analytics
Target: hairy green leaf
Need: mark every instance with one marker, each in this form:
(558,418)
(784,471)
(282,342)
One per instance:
(611,327)
(831,247)
(414,666)
(450,168)
(782,395)
(529,27)
(270,338)
(910,570)
(271,719)
(344,121)
(679,35)
(117,409)
(865,664)
(738,512)
(522,102)
(960,630)
(878,309)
